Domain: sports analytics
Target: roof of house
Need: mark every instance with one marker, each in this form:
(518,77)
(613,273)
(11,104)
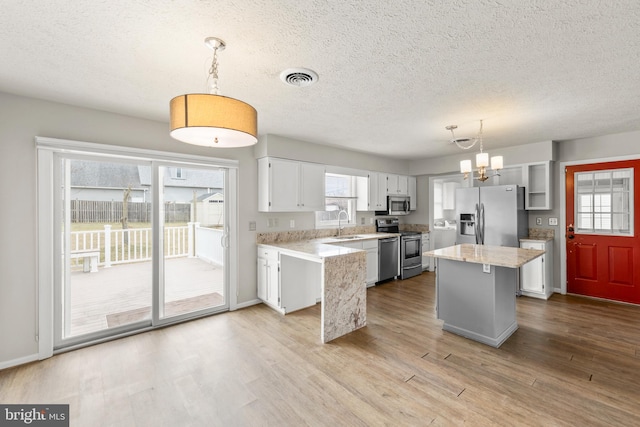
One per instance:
(88,173)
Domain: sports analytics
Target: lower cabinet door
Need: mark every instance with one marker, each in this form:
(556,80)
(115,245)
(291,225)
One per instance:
(262,279)
(372,266)
(532,273)
(273,283)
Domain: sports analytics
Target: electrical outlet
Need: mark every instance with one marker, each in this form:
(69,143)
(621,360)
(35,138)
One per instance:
(538,221)
(553,221)
(486,268)
(252,226)
(370,220)
(362,221)
(292,223)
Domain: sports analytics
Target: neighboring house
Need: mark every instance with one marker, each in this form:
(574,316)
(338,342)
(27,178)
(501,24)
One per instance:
(104,181)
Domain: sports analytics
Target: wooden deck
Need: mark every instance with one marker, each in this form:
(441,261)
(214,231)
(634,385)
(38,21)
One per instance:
(572,362)
(127,287)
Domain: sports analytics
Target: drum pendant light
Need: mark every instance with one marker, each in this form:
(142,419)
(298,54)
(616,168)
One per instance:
(212,120)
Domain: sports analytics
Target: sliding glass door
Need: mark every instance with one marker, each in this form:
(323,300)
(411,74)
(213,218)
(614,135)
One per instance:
(139,243)
(193,237)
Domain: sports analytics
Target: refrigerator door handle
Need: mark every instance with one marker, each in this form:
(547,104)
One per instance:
(482,223)
(476,224)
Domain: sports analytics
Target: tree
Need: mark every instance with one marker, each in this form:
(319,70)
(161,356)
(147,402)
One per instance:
(125,214)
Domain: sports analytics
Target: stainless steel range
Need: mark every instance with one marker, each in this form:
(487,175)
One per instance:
(410,246)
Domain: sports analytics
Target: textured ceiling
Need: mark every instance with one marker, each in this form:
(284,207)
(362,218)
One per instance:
(393,74)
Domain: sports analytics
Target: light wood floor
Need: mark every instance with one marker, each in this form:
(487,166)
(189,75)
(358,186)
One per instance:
(573,362)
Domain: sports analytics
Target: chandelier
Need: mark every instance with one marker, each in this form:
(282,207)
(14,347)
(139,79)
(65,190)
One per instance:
(482,158)
(212,120)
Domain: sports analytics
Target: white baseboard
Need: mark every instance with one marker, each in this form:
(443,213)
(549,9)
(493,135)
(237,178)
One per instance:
(247,304)
(18,361)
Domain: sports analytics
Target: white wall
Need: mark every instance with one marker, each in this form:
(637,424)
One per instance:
(21,119)
(527,153)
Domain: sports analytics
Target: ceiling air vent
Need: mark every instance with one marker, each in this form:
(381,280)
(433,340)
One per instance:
(299,77)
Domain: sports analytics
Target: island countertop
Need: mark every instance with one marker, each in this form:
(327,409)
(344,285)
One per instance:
(481,254)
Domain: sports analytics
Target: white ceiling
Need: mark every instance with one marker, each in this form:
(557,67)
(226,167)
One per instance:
(393,73)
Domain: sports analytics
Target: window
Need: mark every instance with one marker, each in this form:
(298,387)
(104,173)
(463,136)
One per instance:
(340,202)
(177,173)
(604,202)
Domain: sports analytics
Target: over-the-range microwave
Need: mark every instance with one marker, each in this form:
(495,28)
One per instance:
(396,205)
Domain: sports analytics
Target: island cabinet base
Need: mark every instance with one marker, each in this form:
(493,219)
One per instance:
(475,304)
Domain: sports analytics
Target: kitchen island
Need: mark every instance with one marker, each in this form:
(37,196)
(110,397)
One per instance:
(476,288)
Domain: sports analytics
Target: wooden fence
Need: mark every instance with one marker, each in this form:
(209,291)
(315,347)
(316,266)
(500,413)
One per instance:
(86,211)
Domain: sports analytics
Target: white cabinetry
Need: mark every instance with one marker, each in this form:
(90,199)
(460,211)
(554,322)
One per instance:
(535,276)
(372,192)
(426,246)
(397,185)
(413,192)
(537,182)
(290,186)
(371,246)
(287,283)
(269,276)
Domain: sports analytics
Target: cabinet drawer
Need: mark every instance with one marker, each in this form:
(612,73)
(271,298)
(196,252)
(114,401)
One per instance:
(532,245)
(268,253)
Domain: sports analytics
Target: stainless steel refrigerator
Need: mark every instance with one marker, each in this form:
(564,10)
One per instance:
(492,215)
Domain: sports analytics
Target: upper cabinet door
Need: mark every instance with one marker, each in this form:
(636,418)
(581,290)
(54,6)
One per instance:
(413,193)
(312,192)
(284,185)
(379,190)
(290,186)
(397,185)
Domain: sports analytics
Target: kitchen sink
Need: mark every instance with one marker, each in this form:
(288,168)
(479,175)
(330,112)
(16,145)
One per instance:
(348,237)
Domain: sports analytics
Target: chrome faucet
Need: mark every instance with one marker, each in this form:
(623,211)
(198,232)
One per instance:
(340,227)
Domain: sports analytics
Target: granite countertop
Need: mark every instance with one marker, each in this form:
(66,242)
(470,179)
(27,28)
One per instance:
(536,239)
(501,256)
(327,246)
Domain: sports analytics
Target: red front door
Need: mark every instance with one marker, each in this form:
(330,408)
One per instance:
(603,253)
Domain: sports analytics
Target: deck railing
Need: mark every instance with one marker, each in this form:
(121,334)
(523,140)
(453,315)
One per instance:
(135,244)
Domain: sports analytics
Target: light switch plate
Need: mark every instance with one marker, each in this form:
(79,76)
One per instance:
(538,221)
(292,223)
(486,268)
(252,226)
(553,221)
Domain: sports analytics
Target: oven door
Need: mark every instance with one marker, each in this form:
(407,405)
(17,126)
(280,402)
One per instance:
(410,256)
(411,249)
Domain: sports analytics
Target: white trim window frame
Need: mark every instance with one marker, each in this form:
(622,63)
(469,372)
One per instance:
(604,202)
(340,196)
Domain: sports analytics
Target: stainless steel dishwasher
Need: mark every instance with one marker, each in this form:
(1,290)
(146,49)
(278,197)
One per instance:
(387,258)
